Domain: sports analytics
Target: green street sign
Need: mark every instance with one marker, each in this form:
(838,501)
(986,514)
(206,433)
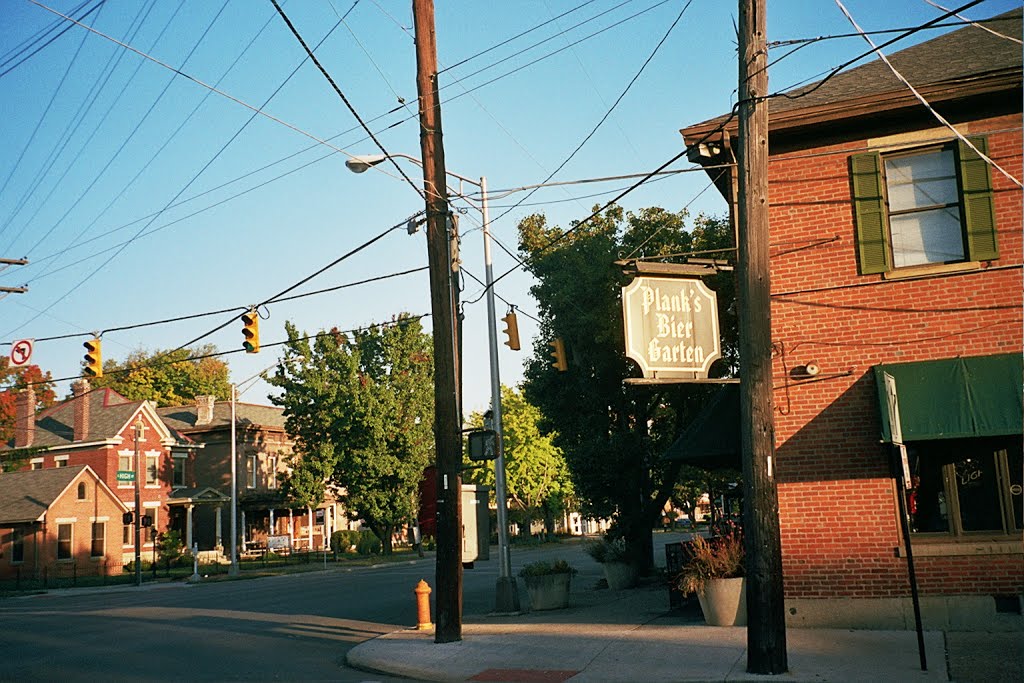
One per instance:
(125,475)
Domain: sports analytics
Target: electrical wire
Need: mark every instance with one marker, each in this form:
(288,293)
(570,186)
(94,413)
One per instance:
(939,117)
(352,110)
(977,24)
(41,47)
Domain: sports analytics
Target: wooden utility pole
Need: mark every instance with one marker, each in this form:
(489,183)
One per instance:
(447,421)
(766,618)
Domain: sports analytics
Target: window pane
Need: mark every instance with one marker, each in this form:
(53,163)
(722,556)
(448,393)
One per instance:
(978,494)
(99,532)
(152,467)
(926,237)
(927,500)
(64,542)
(179,471)
(18,545)
(921,180)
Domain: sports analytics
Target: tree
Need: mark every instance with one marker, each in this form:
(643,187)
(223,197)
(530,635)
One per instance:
(170,378)
(536,476)
(12,381)
(612,434)
(361,411)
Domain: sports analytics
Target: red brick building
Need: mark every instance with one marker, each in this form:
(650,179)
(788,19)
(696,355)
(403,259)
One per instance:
(98,428)
(64,521)
(896,248)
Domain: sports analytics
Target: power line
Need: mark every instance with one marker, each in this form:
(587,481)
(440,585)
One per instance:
(47,43)
(312,57)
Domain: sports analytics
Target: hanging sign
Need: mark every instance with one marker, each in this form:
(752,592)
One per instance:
(21,353)
(671,326)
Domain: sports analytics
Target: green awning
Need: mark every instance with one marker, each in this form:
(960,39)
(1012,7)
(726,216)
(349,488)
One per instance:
(955,398)
(712,440)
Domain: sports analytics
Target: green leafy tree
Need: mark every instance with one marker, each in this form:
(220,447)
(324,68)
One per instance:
(168,377)
(536,476)
(612,434)
(361,410)
(12,381)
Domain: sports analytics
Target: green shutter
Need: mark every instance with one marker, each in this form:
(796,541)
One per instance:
(869,212)
(976,199)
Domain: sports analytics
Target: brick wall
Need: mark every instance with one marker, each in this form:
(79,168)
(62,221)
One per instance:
(837,505)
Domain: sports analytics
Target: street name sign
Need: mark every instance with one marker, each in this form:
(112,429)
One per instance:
(671,326)
(125,475)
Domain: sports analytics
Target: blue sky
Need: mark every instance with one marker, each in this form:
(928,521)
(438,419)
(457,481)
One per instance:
(100,148)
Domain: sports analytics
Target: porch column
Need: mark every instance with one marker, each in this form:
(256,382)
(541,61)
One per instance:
(243,530)
(188,526)
(273,529)
(291,527)
(328,527)
(218,543)
(309,533)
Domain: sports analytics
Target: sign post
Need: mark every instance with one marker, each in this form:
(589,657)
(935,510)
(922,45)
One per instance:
(903,472)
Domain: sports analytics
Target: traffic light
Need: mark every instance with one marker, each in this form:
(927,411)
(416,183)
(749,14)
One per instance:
(512,330)
(559,354)
(251,331)
(127,518)
(93,358)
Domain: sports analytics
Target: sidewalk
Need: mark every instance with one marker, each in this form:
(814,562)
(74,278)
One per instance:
(631,636)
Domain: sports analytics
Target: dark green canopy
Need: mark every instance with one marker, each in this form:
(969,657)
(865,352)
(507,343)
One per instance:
(712,440)
(955,398)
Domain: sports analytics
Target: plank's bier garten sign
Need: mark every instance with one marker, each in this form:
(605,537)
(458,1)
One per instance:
(671,326)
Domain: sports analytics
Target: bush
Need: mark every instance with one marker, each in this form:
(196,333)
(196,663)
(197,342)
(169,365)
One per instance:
(607,550)
(368,544)
(542,568)
(344,541)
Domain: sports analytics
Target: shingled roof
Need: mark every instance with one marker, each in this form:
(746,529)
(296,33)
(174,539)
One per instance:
(25,496)
(951,66)
(184,418)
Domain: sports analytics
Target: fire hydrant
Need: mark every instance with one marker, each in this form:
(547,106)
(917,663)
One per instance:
(423,606)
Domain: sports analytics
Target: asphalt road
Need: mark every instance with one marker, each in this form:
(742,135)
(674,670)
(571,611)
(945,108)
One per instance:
(290,628)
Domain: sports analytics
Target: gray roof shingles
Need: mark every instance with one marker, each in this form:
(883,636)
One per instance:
(26,495)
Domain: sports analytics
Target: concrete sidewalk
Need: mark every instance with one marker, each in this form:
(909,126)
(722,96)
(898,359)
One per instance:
(627,636)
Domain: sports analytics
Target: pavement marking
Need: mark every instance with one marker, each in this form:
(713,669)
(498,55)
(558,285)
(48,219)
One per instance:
(524,675)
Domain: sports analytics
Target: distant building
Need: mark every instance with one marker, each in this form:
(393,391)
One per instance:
(896,248)
(63,521)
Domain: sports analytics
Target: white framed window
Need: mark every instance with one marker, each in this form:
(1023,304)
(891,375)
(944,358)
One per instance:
(272,472)
(60,461)
(36,463)
(153,511)
(98,547)
(125,463)
(65,536)
(252,467)
(152,468)
(178,462)
(83,493)
(924,206)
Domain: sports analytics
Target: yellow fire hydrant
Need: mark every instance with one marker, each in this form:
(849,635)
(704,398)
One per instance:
(423,606)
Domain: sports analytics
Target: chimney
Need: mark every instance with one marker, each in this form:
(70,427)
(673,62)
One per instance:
(204,410)
(24,418)
(80,391)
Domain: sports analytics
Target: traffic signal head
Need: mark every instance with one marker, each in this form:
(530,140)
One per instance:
(93,358)
(251,331)
(559,355)
(127,518)
(512,330)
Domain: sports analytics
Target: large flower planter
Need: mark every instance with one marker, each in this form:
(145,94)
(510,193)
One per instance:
(620,575)
(550,591)
(724,602)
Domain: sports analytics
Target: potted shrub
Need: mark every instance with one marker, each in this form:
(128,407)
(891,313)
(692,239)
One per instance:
(714,571)
(547,583)
(619,571)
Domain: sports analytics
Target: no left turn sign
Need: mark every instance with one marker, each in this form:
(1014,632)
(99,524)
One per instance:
(21,353)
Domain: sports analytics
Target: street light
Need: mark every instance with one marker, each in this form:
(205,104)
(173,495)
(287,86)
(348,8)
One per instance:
(233,570)
(507,599)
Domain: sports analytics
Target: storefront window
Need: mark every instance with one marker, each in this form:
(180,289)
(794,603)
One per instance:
(966,485)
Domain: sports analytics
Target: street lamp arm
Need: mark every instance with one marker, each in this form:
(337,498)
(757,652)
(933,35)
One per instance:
(359,164)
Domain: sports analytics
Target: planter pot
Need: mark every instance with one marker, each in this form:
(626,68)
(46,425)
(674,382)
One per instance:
(548,592)
(724,602)
(620,575)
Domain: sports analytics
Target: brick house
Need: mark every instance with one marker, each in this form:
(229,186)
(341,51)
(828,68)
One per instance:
(98,428)
(264,450)
(896,248)
(63,521)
